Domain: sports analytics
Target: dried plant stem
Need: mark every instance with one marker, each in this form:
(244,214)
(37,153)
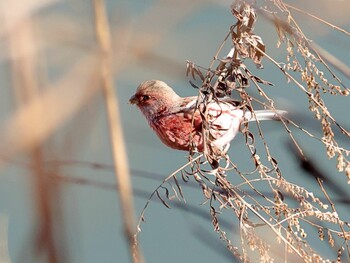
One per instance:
(320,183)
(308,93)
(250,207)
(164,181)
(287,222)
(318,19)
(337,63)
(318,55)
(116,133)
(26,88)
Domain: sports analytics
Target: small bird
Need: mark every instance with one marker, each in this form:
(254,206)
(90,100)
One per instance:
(178,123)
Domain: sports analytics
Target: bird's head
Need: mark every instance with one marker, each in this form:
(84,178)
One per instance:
(153,97)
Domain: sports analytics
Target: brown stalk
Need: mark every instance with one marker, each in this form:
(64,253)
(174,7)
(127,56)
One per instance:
(26,87)
(318,19)
(28,119)
(115,130)
(328,57)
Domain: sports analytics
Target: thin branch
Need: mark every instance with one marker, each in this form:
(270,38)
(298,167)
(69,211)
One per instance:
(318,19)
(141,218)
(115,130)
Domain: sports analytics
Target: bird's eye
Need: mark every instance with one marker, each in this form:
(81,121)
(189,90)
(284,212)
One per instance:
(145,98)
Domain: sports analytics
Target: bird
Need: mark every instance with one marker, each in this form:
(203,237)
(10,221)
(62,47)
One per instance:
(178,121)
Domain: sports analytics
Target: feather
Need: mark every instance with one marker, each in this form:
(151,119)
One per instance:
(263,115)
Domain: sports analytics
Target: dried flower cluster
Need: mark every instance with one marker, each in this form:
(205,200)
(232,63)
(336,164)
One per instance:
(290,214)
(303,58)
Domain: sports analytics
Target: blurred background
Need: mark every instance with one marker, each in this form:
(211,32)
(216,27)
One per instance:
(58,200)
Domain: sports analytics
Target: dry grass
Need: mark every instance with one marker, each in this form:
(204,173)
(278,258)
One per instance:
(288,219)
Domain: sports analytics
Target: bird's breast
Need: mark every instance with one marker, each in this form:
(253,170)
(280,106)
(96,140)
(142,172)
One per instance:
(177,130)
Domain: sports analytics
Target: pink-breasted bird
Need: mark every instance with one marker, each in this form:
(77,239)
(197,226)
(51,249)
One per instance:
(170,116)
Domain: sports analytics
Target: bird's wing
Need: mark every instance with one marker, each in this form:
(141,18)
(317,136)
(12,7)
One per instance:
(222,112)
(187,110)
(224,118)
(188,103)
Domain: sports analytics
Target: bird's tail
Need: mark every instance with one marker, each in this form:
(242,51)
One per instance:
(263,115)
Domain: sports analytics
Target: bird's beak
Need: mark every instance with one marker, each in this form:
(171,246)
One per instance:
(133,100)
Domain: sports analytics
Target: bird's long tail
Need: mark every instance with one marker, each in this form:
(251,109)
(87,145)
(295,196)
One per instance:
(263,115)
